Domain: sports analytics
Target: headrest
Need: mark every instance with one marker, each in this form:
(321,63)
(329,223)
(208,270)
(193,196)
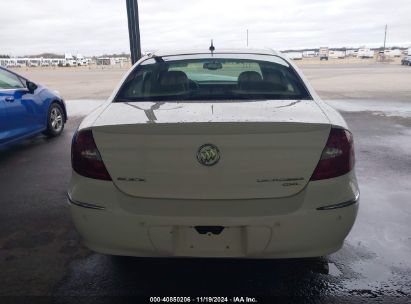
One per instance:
(172,78)
(249,76)
(274,76)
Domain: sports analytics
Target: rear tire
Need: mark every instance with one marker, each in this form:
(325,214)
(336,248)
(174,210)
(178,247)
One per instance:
(55,120)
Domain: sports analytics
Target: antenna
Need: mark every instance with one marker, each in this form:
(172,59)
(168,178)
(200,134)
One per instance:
(211,48)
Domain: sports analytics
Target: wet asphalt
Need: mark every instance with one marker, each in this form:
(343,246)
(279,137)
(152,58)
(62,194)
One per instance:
(41,253)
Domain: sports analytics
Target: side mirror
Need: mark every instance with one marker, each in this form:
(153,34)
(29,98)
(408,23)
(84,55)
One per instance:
(31,86)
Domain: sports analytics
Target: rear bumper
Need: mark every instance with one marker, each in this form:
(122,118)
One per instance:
(303,233)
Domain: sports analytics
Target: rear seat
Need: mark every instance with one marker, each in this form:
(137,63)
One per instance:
(172,83)
(252,81)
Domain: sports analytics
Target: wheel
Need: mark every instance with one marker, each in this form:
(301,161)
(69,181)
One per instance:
(55,120)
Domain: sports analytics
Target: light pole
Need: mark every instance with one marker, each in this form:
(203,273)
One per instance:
(385,37)
(133,30)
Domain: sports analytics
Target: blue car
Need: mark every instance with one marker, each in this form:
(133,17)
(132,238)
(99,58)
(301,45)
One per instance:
(27,109)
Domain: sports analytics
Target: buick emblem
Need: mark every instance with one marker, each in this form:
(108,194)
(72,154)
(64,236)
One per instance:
(208,155)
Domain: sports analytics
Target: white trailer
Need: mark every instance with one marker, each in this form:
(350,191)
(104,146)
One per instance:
(365,53)
(69,60)
(309,54)
(392,53)
(5,62)
(22,61)
(34,62)
(106,61)
(324,53)
(45,62)
(336,54)
(56,61)
(350,52)
(12,63)
(81,60)
(294,55)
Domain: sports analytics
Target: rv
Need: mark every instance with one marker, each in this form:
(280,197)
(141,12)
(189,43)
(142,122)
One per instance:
(22,61)
(106,61)
(33,62)
(294,55)
(81,60)
(351,53)
(5,62)
(12,63)
(336,54)
(69,61)
(56,62)
(323,53)
(365,53)
(45,62)
(392,53)
(309,54)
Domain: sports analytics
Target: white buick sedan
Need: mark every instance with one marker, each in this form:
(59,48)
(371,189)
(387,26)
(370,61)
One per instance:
(214,154)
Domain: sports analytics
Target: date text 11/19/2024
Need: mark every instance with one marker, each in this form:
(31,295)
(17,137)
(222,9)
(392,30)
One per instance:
(238,299)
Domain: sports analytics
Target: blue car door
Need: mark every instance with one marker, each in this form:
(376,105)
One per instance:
(3,125)
(20,113)
(35,106)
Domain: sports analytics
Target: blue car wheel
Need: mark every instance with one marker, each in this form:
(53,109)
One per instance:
(55,120)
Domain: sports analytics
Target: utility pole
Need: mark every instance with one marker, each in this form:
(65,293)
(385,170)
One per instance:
(247,37)
(385,37)
(133,30)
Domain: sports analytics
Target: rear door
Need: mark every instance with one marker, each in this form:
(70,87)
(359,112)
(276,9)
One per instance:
(19,112)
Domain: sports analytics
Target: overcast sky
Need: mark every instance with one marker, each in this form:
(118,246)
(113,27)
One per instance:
(94,27)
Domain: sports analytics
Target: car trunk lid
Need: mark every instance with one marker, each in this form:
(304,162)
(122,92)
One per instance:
(267,149)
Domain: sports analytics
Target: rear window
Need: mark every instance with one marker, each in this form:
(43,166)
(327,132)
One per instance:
(212,79)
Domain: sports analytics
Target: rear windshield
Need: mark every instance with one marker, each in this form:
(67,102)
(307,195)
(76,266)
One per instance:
(212,79)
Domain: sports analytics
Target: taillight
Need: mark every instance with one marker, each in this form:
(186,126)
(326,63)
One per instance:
(85,157)
(338,155)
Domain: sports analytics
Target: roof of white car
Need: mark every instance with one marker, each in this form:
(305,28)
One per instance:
(161,53)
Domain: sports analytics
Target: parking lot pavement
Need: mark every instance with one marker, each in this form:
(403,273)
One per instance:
(41,254)
(372,81)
